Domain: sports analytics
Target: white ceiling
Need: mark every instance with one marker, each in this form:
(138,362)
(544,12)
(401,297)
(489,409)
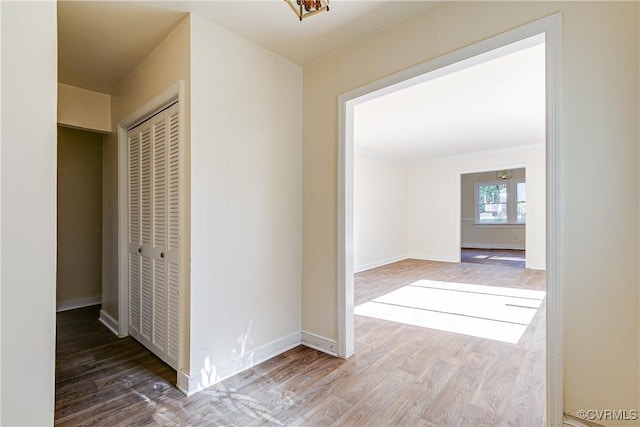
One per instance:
(273,25)
(494,105)
(491,106)
(101,42)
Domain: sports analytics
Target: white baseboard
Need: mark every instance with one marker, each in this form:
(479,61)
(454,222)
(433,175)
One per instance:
(572,421)
(109,322)
(319,343)
(375,264)
(437,258)
(536,265)
(193,384)
(78,303)
(491,246)
(186,385)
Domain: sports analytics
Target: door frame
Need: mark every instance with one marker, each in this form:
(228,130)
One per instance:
(550,26)
(173,93)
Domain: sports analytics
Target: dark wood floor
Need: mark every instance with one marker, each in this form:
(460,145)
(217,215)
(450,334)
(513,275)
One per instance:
(503,257)
(400,375)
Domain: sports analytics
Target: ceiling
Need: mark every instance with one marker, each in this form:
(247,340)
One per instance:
(101,42)
(494,105)
(490,106)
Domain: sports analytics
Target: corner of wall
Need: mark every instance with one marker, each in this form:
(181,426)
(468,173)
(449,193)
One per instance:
(319,343)
(211,374)
(109,322)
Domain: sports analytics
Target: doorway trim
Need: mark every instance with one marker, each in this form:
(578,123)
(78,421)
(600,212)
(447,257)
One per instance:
(550,26)
(173,93)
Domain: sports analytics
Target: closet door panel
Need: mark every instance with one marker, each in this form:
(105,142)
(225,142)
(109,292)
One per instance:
(173,313)
(154,233)
(146,230)
(159,233)
(134,232)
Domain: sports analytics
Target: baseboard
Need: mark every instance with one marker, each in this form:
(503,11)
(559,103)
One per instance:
(109,322)
(492,246)
(185,384)
(375,264)
(571,421)
(78,303)
(193,384)
(433,258)
(536,265)
(319,343)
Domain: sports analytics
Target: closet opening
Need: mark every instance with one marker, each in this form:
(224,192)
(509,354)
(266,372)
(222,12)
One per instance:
(153,239)
(151,258)
(79,219)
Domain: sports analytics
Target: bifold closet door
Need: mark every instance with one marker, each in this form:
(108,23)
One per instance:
(154,233)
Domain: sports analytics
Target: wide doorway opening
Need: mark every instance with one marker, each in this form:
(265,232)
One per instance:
(403,164)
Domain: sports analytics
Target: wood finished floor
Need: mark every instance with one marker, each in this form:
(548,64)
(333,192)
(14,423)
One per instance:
(504,257)
(401,375)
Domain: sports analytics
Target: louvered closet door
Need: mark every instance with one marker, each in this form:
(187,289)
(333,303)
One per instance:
(154,238)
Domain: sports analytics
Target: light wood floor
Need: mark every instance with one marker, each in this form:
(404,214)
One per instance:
(400,374)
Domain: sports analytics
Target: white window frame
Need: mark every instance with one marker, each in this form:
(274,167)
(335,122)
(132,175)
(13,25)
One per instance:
(512,202)
(515,200)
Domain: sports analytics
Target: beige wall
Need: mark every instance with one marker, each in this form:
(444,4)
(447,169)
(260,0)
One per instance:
(168,63)
(79,262)
(82,108)
(474,236)
(28,214)
(600,133)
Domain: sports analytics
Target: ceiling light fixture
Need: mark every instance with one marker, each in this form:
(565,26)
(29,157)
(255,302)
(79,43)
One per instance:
(504,175)
(307,8)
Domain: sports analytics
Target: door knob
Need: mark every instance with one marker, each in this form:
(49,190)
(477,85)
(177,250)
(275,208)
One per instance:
(140,250)
(161,254)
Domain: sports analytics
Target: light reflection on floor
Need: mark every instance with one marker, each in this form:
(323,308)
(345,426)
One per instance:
(492,312)
(500,258)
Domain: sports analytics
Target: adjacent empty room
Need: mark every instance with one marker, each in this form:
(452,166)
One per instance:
(451,169)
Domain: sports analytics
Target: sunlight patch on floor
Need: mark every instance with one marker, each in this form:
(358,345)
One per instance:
(492,312)
(507,258)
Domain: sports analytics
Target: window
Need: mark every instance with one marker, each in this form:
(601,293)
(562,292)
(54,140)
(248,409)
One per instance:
(521,202)
(501,202)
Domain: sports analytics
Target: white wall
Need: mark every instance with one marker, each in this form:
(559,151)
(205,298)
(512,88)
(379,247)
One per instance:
(599,91)
(245,203)
(434,202)
(404,210)
(28,176)
(380,211)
